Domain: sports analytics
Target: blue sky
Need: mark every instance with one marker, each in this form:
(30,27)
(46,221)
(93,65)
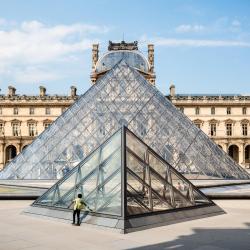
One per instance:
(200,46)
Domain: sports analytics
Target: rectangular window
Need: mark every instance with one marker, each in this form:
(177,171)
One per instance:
(16,129)
(46,125)
(197,110)
(15,111)
(244,110)
(1,129)
(47,111)
(213,111)
(32,111)
(229,129)
(244,129)
(198,125)
(32,129)
(213,129)
(1,111)
(228,111)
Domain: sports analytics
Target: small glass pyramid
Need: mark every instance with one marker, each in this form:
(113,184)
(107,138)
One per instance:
(122,96)
(124,178)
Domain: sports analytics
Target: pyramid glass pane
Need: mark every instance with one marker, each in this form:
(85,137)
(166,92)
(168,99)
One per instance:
(97,178)
(122,97)
(152,184)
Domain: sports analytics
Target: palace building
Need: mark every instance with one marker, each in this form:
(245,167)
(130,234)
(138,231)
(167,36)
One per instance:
(224,118)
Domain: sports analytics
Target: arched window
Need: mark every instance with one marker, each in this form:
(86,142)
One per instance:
(10,153)
(233,151)
(247,154)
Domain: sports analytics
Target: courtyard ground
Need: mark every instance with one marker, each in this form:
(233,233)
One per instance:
(228,231)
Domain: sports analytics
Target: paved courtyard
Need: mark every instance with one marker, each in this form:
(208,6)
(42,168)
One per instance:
(229,231)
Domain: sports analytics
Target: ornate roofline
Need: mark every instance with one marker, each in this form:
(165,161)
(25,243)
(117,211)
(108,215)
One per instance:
(123,46)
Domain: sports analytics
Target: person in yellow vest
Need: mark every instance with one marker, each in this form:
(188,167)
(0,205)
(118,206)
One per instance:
(79,204)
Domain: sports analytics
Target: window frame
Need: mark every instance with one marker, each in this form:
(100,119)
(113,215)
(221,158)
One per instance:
(16,129)
(213,129)
(229,132)
(197,110)
(212,110)
(229,111)
(244,129)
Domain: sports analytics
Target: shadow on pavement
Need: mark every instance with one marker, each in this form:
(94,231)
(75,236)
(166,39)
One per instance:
(207,239)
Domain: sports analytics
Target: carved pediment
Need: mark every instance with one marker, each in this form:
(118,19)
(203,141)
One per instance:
(229,121)
(198,121)
(47,121)
(15,121)
(214,121)
(244,121)
(31,121)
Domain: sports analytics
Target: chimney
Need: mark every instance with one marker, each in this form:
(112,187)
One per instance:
(42,91)
(12,91)
(151,56)
(95,55)
(172,90)
(73,91)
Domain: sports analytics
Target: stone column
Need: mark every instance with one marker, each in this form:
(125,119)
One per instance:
(242,154)
(1,155)
(225,147)
(18,148)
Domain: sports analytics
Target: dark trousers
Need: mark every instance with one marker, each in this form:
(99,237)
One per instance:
(76,213)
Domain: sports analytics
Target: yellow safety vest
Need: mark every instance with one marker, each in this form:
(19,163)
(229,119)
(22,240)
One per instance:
(78,204)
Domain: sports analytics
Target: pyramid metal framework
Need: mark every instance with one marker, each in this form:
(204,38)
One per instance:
(123,179)
(122,97)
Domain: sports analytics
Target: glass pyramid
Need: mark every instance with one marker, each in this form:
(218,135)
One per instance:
(122,97)
(123,178)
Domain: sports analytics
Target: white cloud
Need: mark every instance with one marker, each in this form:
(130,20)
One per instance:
(173,42)
(186,28)
(2,21)
(236,23)
(34,44)
(33,74)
